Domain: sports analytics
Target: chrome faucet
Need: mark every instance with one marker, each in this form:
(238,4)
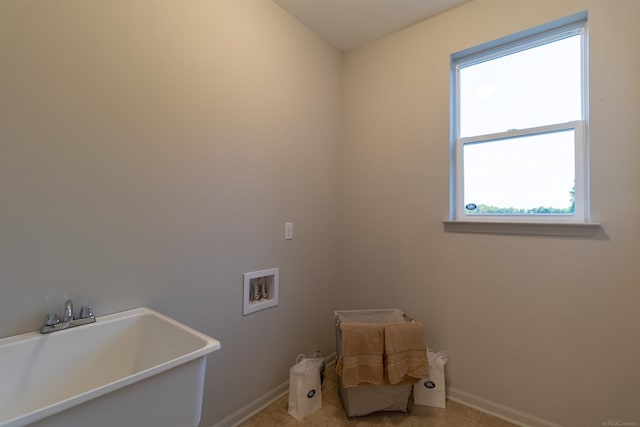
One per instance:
(53,323)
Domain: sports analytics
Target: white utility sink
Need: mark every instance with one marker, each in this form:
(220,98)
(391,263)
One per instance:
(135,368)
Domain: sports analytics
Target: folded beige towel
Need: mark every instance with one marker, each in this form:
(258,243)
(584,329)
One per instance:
(361,360)
(405,350)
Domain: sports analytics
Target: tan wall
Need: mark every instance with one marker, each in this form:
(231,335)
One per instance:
(150,153)
(547,326)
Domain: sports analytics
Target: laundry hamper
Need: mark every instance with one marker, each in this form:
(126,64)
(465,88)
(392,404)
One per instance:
(366,399)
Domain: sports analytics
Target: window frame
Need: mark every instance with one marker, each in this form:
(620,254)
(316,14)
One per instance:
(551,32)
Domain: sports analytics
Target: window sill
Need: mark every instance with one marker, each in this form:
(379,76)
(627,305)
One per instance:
(525,228)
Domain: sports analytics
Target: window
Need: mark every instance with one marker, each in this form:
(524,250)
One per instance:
(519,127)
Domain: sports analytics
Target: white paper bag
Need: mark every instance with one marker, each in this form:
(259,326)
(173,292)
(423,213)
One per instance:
(305,393)
(431,391)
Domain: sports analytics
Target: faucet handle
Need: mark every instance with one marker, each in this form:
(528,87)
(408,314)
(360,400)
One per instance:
(86,312)
(52,319)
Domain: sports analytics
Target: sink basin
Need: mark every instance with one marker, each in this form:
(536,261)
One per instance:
(134,368)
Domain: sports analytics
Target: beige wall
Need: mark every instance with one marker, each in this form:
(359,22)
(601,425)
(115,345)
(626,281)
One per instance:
(544,326)
(151,152)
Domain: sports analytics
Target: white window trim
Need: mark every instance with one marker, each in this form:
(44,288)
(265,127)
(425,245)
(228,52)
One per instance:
(557,30)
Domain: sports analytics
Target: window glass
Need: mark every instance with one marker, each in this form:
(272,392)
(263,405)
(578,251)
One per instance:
(530,88)
(525,175)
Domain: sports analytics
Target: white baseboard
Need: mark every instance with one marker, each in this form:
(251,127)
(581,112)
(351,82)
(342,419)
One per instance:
(497,410)
(249,410)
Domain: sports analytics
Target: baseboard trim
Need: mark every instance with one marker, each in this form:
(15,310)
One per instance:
(249,410)
(497,410)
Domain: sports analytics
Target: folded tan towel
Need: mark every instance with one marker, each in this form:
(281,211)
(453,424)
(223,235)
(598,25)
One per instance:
(361,360)
(405,350)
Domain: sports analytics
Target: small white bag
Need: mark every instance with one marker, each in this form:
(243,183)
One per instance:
(431,391)
(305,392)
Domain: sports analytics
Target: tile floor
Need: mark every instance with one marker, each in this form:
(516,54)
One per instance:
(333,414)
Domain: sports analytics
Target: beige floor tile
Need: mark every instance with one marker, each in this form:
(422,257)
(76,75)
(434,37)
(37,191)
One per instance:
(464,410)
(492,421)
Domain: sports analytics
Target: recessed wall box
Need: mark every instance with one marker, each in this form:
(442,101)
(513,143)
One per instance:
(260,290)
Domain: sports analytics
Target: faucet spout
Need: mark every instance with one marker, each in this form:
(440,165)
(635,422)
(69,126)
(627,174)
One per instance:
(68,311)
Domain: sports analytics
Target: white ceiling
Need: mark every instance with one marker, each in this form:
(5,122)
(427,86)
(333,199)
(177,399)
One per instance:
(351,23)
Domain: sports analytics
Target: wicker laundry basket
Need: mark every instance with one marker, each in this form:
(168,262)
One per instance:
(366,399)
